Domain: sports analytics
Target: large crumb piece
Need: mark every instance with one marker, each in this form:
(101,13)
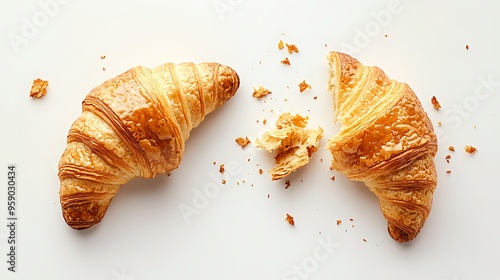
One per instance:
(293,143)
(303,86)
(260,92)
(470,149)
(39,88)
(435,103)
(291,48)
(243,142)
(289,219)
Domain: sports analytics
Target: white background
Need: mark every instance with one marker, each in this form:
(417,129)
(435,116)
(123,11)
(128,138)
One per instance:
(240,233)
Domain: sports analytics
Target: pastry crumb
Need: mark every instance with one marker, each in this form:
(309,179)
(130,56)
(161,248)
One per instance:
(303,86)
(435,103)
(39,88)
(470,149)
(293,142)
(364,240)
(222,169)
(448,171)
(466,47)
(451,148)
(332,178)
(351,219)
(315,97)
(281,45)
(287,184)
(261,171)
(260,92)
(291,48)
(339,222)
(103,57)
(448,157)
(440,123)
(290,219)
(243,142)
(285,61)
(223,181)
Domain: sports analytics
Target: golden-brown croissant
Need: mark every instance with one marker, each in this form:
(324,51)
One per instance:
(386,141)
(135,125)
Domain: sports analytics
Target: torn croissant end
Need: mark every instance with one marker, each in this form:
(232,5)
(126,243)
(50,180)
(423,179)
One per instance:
(293,142)
(386,141)
(135,125)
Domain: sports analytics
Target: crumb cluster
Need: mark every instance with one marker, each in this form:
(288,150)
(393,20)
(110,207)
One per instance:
(293,142)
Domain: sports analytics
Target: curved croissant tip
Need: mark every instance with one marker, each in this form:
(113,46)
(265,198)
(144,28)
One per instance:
(398,234)
(83,215)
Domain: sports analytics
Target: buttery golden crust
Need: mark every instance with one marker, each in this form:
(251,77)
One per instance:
(135,125)
(386,141)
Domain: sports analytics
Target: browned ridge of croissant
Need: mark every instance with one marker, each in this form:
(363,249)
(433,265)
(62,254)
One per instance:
(135,125)
(386,141)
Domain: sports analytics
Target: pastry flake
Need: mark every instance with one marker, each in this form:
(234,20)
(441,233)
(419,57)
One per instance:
(293,142)
(39,88)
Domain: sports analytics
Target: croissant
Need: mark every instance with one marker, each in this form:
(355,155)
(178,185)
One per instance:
(386,141)
(135,125)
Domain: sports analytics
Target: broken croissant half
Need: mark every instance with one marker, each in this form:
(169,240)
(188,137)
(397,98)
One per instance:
(386,141)
(135,125)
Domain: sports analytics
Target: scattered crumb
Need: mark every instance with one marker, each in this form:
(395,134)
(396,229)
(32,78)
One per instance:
(470,149)
(332,178)
(451,148)
(293,143)
(243,142)
(315,97)
(169,174)
(339,222)
(39,88)
(221,168)
(264,121)
(223,181)
(440,123)
(385,35)
(287,184)
(285,61)
(303,86)
(261,171)
(103,57)
(268,195)
(292,48)
(364,240)
(466,47)
(448,157)
(435,103)
(103,68)
(260,92)
(214,163)
(448,171)
(351,219)
(281,45)
(289,219)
